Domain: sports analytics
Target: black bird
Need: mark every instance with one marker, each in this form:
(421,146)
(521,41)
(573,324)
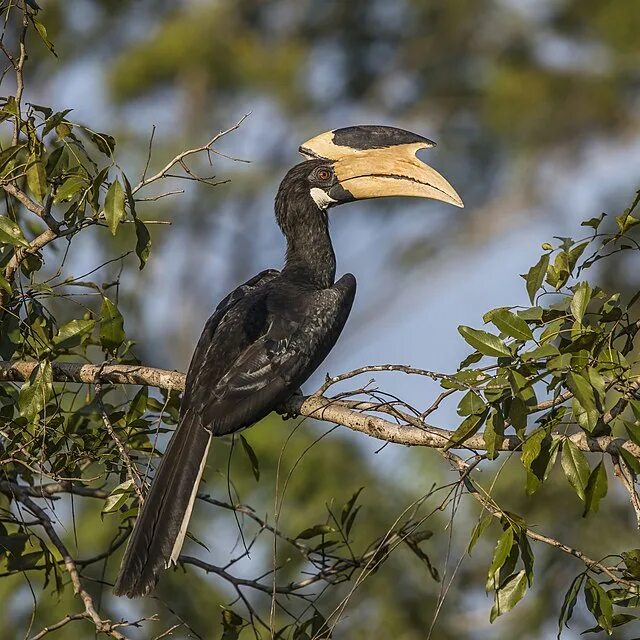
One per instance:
(270,334)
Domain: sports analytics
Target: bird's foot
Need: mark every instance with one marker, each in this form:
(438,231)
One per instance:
(285,411)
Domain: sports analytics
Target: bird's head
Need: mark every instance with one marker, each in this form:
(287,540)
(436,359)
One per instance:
(368,161)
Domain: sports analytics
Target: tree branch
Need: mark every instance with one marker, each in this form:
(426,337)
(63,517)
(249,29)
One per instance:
(104,626)
(179,159)
(494,509)
(346,413)
(23,198)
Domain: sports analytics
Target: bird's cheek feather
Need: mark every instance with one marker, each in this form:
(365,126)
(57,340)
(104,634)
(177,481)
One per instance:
(322,198)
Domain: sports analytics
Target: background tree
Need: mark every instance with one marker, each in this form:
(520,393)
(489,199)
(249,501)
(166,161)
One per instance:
(512,110)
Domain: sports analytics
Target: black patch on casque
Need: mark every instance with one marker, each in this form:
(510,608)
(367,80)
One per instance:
(367,136)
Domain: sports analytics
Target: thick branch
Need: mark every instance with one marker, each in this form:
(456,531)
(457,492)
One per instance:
(318,407)
(23,198)
(90,373)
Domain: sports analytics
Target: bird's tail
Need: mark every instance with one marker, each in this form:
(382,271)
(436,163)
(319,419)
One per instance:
(159,531)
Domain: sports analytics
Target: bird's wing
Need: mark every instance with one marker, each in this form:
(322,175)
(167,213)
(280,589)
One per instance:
(223,314)
(298,333)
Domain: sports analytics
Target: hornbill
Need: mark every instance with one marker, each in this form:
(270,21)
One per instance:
(270,334)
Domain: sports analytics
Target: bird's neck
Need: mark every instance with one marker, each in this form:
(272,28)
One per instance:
(310,257)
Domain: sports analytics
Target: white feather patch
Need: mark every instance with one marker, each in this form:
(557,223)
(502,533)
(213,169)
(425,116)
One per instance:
(177,545)
(321,198)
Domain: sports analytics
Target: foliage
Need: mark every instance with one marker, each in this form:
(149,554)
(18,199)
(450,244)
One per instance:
(558,385)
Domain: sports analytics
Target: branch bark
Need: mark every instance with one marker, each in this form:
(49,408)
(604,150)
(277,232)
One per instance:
(346,413)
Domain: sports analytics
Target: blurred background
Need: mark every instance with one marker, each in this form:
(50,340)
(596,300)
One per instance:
(536,110)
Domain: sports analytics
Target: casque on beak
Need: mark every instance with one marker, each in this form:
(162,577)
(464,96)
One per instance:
(372,161)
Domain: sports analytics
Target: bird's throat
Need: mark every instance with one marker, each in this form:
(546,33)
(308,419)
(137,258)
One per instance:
(310,256)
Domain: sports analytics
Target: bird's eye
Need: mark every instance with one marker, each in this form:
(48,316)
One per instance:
(323,174)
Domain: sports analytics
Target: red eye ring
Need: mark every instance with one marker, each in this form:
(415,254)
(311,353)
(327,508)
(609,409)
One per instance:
(324,174)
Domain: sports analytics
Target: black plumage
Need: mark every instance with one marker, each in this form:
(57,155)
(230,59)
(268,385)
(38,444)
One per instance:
(263,341)
(269,335)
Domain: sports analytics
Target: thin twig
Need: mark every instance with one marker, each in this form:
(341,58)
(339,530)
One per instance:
(133,473)
(103,626)
(185,154)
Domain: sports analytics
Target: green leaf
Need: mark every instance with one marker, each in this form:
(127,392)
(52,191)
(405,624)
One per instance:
(42,32)
(478,530)
(71,333)
(6,156)
(542,465)
(128,192)
(10,233)
(580,300)
(24,562)
(535,276)
(633,430)
(111,326)
(528,558)
(348,506)
(559,272)
(500,555)
(118,497)
(518,414)
(632,561)
(570,599)
(552,331)
(522,388)
(621,597)
(599,603)
(575,467)
(35,392)
(232,624)
(45,111)
(69,188)
(596,488)
(13,543)
(511,324)
(586,412)
(36,178)
(532,447)
(105,143)
(630,460)
(586,418)
(52,122)
(486,343)
(143,242)
(11,106)
(312,532)
(470,404)
(138,405)
(594,223)
(64,130)
(509,594)
(253,458)
(468,428)
(114,206)
(575,253)
(494,434)
(626,221)
(5,284)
